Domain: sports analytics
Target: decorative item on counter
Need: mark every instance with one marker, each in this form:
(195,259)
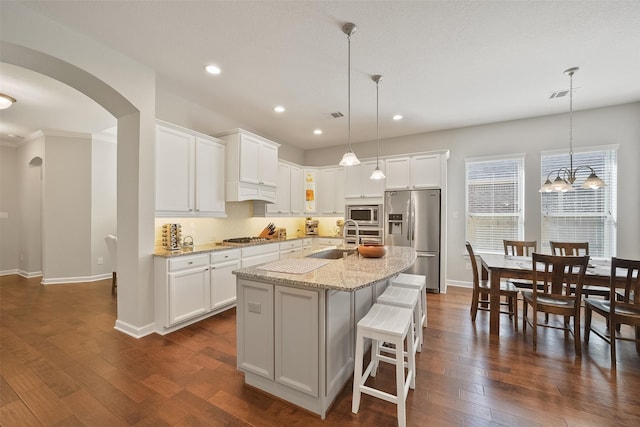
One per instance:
(187,243)
(172,237)
(311,226)
(281,233)
(339,227)
(372,250)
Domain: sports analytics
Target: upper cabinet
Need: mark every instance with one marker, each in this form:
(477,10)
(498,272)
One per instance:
(189,172)
(252,166)
(289,193)
(417,171)
(331,191)
(358,184)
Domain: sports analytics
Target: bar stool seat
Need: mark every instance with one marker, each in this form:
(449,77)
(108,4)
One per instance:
(385,323)
(407,298)
(414,281)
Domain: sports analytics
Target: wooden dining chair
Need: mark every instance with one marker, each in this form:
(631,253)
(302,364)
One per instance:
(481,289)
(520,247)
(569,248)
(557,275)
(625,311)
(579,249)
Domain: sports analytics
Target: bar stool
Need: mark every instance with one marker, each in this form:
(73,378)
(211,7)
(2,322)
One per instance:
(414,281)
(407,298)
(385,323)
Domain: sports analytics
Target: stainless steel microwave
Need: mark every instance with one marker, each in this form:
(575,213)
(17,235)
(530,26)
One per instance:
(368,215)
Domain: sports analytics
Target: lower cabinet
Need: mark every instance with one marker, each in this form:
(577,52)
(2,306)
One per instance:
(298,344)
(188,294)
(296,339)
(223,282)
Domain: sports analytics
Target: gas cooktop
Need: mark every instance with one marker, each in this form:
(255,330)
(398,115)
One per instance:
(245,240)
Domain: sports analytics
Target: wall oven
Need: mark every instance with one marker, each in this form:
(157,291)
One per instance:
(365,215)
(367,234)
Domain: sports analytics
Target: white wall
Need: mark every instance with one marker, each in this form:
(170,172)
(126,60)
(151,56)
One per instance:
(603,126)
(103,201)
(9,204)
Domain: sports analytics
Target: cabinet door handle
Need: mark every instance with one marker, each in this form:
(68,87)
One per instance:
(190,262)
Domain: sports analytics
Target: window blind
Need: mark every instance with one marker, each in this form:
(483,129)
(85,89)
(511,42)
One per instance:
(582,215)
(494,202)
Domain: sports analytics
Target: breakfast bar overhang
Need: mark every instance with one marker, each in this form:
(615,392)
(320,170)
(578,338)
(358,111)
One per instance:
(296,331)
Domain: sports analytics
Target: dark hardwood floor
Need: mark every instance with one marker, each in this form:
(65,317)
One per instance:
(63,364)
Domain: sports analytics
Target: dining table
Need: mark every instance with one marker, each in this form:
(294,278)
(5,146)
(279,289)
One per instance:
(497,267)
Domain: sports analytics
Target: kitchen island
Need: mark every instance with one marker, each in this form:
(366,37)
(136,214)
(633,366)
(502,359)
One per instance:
(296,322)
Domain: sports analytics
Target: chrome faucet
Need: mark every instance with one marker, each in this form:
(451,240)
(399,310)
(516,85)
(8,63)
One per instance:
(344,231)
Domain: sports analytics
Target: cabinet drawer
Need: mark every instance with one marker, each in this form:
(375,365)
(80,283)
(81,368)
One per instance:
(307,242)
(221,256)
(329,241)
(182,263)
(290,245)
(259,250)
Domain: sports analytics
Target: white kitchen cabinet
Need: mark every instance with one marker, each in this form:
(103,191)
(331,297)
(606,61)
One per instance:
(189,173)
(289,193)
(296,339)
(425,170)
(417,171)
(290,248)
(358,185)
(188,288)
(254,328)
(398,173)
(252,166)
(307,245)
(331,191)
(259,254)
(223,281)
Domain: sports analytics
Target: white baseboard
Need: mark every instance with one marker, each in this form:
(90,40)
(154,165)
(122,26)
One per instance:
(134,331)
(79,279)
(460,284)
(25,274)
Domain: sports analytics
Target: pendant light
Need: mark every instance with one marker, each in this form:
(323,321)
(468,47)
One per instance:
(377,174)
(565,177)
(349,158)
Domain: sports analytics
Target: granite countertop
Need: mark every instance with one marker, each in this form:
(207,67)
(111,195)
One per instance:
(210,247)
(346,274)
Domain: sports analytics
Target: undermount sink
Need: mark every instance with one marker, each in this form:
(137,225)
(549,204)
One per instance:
(332,253)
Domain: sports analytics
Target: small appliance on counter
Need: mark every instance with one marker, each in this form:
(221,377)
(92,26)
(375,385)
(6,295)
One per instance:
(281,233)
(339,227)
(311,226)
(172,237)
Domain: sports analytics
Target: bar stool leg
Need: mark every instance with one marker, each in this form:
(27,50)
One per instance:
(357,376)
(400,385)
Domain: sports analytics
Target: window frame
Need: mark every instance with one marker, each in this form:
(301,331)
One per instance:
(518,230)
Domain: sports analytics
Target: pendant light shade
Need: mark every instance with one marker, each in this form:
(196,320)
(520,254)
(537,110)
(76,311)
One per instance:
(377,174)
(349,158)
(6,101)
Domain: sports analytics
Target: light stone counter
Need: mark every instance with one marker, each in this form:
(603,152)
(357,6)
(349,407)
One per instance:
(346,274)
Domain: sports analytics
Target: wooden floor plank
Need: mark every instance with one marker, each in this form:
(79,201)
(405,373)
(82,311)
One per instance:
(69,367)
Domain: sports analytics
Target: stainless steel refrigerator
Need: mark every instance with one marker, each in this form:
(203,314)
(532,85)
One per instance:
(412,218)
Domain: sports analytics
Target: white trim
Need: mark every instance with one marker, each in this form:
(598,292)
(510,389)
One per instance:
(460,284)
(496,157)
(608,147)
(79,279)
(134,331)
(25,274)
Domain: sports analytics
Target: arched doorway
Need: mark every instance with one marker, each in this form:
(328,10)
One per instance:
(135,180)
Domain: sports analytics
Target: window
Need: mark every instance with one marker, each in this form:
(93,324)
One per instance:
(494,201)
(582,215)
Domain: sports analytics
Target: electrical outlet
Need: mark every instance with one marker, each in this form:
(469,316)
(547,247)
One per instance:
(100,261)
(468,266)
(255,307)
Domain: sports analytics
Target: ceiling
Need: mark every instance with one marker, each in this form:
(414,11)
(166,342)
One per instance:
(446,64)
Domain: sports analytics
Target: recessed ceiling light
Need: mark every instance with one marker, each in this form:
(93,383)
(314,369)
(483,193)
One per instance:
(397,117)
(6,101)
(279,109)
(212,69)
(318,131)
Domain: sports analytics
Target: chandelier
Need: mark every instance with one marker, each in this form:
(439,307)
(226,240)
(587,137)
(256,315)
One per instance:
(565,177)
